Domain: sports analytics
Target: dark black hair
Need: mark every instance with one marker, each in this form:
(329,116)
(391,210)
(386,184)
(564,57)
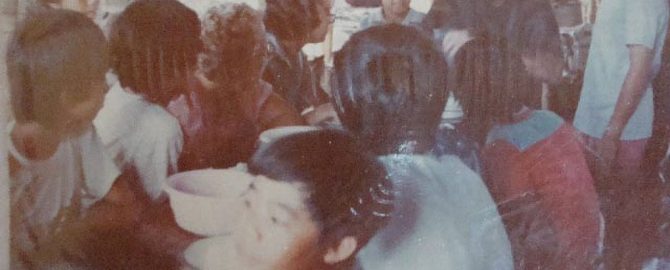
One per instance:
(532,28)
(457,14)
(53,52)
(491,85)
(154,43)
(389,88)
(349,194)
(291,20)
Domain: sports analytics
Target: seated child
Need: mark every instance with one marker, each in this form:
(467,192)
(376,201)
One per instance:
(290,25)
(56,64)
(389,91)
(315,200)
(393,11)
(222,121)
(154,46)
(530,153)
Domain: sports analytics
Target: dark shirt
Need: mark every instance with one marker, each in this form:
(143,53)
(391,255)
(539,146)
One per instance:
(292,77)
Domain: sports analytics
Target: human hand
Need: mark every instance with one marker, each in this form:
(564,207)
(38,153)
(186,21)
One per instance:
(607,149)
(322,115)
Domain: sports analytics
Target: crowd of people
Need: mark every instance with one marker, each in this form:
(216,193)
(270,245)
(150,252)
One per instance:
(107,110)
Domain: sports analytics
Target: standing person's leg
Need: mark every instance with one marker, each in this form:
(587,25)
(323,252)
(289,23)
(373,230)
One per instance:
(592,160)
(629,161)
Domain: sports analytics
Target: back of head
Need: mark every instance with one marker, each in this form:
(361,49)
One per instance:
(234,38)
(291,20)
(532,28)
(53,52)
(154,44)
(491,85)
(389,88)
(349,194)
(457,14)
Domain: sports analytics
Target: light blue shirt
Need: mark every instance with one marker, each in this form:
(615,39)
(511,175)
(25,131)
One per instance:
(444,218)
(376,18)
(620,23)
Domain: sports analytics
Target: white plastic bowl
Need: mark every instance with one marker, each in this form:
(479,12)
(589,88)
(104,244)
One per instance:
(207,202)
(274,134)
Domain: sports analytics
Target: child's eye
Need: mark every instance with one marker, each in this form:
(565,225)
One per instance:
(274,220)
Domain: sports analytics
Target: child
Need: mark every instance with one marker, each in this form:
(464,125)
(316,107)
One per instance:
(154,46)
(533,162)
(56,64)
(304,209)
(389,92)
(221,123)
(393,11)
(290,25)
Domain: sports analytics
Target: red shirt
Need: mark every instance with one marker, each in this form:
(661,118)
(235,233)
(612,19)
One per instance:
(555,170)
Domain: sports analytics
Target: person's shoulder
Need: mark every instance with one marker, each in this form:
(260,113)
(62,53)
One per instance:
(415,16)
(548,116)
(456,166)
(538,126)
(373,18)
(158,121)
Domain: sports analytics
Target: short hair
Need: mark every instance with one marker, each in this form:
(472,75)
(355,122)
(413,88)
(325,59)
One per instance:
(53,52)
(291,19)
(389,88)
(349,193)
(154,42)
(491,85)
(234,44)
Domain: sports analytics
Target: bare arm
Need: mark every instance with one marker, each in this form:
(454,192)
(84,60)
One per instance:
(634,87)
(632,90)
(276,112)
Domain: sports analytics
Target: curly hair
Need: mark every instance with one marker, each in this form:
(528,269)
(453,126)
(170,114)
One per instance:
(234,42)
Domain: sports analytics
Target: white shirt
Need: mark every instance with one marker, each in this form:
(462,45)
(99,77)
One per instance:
(444,218)
(376,17)
(140,135)
(620,23)
(78,174)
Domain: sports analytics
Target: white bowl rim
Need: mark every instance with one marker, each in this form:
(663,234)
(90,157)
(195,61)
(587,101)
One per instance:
(171,190)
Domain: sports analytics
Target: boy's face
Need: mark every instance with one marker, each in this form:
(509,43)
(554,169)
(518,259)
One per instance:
(325,17)
(79,114)
(396,7)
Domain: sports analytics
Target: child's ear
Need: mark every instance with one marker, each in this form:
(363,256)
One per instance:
(342,252)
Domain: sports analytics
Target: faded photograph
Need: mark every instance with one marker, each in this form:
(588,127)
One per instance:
(335,134)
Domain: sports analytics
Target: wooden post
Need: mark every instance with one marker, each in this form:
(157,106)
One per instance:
(8,15)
